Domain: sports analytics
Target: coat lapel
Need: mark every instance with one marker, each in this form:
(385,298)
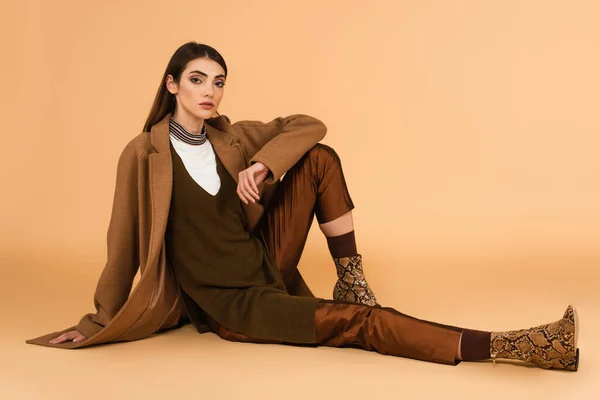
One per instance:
(161,185)
(228,150)
(231,154)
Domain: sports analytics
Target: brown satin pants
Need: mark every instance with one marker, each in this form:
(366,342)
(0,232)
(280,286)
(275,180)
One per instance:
(315,185)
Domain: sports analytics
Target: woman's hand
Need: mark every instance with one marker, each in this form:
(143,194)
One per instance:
(248,181)
(75,336)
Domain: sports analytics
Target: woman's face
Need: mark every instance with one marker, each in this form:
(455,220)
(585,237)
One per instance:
(202,81)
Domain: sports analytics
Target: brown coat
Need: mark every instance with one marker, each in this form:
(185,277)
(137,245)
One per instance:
(138,221)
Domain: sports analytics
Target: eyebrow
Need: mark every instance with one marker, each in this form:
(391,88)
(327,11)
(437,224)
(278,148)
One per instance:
(205,75)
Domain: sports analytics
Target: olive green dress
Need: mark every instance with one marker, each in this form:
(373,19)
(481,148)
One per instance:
(226,271)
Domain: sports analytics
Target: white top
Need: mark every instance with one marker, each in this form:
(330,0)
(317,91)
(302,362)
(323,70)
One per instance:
(200,163)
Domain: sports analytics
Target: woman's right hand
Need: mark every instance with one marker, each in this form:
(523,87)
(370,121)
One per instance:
(74,335)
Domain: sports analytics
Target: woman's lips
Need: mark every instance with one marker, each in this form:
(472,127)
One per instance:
(207,106)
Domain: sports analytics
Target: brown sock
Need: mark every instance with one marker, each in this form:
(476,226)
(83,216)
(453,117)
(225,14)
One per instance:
(475,345)
(343,245)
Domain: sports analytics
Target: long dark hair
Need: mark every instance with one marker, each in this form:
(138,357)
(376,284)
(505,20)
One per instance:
(164,102)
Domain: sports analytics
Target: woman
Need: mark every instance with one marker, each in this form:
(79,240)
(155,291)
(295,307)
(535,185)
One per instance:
(201,208)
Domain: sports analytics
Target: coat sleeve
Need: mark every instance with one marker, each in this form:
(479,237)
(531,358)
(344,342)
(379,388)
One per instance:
(122,263)
(280,143)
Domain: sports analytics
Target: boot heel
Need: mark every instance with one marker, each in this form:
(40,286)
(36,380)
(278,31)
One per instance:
(576,322)
(576,334)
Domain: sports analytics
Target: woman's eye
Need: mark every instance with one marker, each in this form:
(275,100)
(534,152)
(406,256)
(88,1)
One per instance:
(196,80)
(220,84)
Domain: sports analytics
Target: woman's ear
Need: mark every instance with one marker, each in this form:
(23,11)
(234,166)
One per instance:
(171,84)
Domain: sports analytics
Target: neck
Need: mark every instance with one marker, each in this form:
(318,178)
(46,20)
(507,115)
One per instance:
(189,122)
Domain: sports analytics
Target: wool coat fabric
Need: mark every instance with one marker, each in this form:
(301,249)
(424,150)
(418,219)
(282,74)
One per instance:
(136,231)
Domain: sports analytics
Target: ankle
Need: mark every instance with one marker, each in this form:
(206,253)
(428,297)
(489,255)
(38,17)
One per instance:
(475,345)
(343,245)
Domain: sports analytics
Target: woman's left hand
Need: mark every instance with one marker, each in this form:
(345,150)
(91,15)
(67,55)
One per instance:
(248,182)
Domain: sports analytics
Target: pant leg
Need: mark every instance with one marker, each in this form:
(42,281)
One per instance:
(381,329)
(315,185)
(386,331)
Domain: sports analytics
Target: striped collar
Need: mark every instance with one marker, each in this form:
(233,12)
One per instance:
(179,133)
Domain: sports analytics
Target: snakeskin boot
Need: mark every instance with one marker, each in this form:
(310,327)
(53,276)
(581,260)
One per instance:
(551,346)
(351,285)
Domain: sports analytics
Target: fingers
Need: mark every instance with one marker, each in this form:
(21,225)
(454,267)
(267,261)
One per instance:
(245,194)
(253,186)
(64,337)
(79,337)
(75,336)
(242,191)
(247,190)
(242,195)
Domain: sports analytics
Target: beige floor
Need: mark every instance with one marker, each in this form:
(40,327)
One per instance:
(48,292)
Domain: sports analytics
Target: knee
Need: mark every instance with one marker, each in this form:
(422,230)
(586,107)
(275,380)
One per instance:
(324,153)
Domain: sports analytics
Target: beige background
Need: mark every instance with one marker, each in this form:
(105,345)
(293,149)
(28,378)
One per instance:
(468,132)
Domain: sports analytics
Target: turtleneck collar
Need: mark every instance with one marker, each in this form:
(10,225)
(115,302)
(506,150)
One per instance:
(179,133)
